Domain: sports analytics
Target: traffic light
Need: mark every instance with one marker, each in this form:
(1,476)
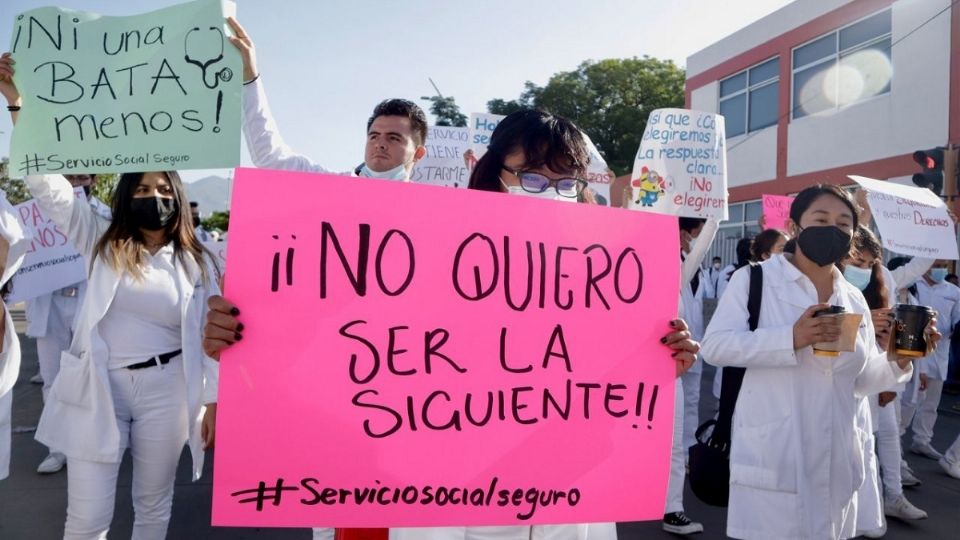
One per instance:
(932,175)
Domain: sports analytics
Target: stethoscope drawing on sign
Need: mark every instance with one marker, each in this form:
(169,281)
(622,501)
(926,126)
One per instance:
(224,74)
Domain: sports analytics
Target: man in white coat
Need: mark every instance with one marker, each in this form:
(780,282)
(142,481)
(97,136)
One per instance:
(944,297)
(13,246)
(50,320)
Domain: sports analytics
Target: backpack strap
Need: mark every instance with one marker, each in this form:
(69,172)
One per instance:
(733,376)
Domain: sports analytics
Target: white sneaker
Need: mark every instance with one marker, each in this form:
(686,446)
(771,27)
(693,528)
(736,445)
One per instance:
(876,533)
(953,469)
(900,507)
(907,478)
(36,379)
(926,451)
(54,462)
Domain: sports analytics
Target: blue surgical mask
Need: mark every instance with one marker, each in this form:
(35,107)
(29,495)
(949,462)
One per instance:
(938,274)
(858,277)
(397,173)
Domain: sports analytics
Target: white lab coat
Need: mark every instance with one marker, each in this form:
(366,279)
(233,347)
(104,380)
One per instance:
(944,298)
(78,418)
(17,237)
(796,458)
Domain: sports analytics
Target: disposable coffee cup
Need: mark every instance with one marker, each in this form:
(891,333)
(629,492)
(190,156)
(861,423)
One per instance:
(849,325)
(911,325)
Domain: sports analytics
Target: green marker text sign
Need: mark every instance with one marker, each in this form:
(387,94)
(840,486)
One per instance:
(150,92)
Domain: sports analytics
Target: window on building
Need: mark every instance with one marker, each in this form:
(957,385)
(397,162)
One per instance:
(843,67)
(748,100)
(744,222)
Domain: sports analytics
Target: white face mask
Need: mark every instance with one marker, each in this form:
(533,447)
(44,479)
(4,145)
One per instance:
(716,266)
(397,173)
(550,194)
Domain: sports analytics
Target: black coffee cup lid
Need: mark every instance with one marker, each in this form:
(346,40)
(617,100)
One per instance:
(910,307)
(832,310)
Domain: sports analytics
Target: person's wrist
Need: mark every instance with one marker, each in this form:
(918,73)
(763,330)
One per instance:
(15,101)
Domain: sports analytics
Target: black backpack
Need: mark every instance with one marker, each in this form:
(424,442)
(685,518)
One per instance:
(710,456)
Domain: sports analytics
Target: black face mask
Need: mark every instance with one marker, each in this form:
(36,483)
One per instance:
(196,222)
(824,245)
(153,213)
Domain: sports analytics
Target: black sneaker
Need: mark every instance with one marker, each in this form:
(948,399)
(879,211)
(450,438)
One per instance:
(679,523)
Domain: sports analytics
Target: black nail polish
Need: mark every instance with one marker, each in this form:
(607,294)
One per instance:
(675,354)
(237,336)
(673,324)
(663,340)
(240,327)
(234,311)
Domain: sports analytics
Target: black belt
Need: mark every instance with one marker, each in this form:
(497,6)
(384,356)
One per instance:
(161,360)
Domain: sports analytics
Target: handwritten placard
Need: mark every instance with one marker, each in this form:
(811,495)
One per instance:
(776,211)
(404,366)
(912,220)
(157,91)
(681,166)
(51,262)
(443,164)
(481,128)
(599,175)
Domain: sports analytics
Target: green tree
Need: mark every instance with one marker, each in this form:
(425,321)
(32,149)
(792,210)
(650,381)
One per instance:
(217,221)
(447,112)
(103,187)
(16,189)
(609,100)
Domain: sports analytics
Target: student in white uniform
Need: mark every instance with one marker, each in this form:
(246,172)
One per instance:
(944,298)
(135,376)
(796,458)
(50,320)
(395,133)
(14,243)
(555,174)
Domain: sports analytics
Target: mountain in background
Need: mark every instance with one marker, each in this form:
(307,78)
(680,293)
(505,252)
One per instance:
(212,192)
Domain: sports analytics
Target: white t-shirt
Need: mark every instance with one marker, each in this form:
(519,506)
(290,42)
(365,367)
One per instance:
(143,320)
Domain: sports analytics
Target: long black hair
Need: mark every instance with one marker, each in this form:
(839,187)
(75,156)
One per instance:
(122,245)
(545,139)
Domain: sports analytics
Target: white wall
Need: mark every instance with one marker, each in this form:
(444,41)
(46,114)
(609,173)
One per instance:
(779,22)
(753,157)
(913,115)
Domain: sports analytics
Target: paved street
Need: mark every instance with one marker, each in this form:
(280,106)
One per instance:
(34,506)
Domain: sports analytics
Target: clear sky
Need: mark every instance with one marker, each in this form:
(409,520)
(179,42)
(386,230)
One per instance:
(326,63)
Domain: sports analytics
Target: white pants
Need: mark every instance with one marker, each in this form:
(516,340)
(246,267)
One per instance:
(691,407)
(63,309)
(151,410)
(869,500)
(677,466)
(888,447)
(923,413)
(952,455)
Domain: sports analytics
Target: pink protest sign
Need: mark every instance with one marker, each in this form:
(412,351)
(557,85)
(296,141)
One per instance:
(419,356)
(776,211)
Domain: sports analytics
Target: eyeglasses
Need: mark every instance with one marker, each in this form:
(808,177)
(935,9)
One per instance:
(532,182)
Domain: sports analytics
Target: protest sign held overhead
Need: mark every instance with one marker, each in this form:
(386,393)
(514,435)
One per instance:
(456,362)
(481,128)
(101,94)
(443,163)
(51,262)
(912,220)
(681,166)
